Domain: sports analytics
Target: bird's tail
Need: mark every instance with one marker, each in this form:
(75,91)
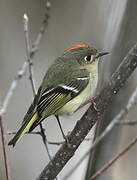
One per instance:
(24,128)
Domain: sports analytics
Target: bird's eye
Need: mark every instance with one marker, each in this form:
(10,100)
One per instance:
(87,58)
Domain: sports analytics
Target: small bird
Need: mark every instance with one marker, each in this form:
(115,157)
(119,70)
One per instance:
(69,82)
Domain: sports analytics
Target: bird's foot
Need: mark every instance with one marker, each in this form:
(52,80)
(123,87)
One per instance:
(66,139)
(94,103)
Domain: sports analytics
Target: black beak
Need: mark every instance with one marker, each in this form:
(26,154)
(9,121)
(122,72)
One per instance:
(102,54)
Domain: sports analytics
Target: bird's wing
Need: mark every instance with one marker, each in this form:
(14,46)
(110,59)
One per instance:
(32,107)
(54,98)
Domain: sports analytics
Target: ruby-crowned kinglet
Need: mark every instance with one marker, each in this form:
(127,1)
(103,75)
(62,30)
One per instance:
(69,82)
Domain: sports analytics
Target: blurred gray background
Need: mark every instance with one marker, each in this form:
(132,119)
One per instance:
(109,25)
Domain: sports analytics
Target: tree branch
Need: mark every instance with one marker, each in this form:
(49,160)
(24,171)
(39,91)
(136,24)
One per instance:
(84,125)
(31,77)
(42,29)
(118,119)
(4,148)
(14,84)
(28,52)
(31,72)
(114,159)
(127,122)
(23,68)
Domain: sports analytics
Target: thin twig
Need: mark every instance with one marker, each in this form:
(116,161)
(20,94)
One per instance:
(4,148)
(49,142)
(12,88)
(127,122)
(34,132)
(62,142)
(31,75)
(113,160)
(31,72)
(23,68)
(44,138)
(131,103)
(42,29)
(28,50)
(85,124)
(14,84)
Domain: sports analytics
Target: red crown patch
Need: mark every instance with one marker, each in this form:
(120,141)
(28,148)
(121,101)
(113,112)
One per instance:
(78,46)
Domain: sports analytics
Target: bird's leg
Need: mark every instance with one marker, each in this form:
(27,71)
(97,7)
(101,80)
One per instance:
(91,101)
(94,104)
(65,137)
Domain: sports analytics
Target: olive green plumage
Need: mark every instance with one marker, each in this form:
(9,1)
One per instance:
(68,83)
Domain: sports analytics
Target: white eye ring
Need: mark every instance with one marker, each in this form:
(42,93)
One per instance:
(89,58)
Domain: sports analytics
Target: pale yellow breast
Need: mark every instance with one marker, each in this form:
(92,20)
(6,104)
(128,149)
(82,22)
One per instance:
(87,93)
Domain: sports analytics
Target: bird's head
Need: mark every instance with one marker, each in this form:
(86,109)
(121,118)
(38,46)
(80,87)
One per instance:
(85,55)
